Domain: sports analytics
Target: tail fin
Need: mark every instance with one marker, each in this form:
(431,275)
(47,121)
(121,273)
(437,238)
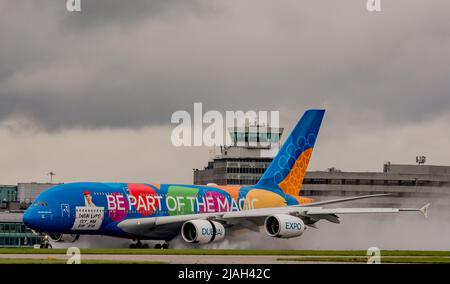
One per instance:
(287,170)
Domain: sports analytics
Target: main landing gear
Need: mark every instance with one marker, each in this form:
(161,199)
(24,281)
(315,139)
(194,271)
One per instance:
(165,245)
(138,244)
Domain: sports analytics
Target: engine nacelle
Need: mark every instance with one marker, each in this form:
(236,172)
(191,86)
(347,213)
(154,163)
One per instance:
(55,237)
(202,231)
(284,226)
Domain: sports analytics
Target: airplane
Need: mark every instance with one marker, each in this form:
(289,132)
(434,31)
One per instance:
(199,213)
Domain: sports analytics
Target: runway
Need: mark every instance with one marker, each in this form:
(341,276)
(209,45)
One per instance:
(170,259)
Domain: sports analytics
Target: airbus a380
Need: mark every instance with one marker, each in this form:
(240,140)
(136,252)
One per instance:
(201,214)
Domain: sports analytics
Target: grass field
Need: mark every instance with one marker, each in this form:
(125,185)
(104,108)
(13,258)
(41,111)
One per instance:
(396,253)
(63,261)
(346,259)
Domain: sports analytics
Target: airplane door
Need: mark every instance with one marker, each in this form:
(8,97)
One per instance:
(65,211)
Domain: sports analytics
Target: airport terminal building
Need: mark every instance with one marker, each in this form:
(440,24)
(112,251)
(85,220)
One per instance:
(15,199)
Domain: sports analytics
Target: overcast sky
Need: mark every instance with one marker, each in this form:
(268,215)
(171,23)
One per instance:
(90,95)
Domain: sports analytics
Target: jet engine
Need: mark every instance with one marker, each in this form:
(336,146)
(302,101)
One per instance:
(202,231)
(63,238)
(284,226)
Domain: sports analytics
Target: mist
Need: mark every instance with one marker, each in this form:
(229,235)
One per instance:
(403,231)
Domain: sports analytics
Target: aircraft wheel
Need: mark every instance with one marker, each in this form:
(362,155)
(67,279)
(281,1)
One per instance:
(132,246)
(165,246)
(158,246)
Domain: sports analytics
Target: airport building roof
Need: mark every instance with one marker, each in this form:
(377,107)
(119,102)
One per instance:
(11,217)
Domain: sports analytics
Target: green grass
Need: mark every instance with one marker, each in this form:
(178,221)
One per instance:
(63,261)
(226,252)
(356,259)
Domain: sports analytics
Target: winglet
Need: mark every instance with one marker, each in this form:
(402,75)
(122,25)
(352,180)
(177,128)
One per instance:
(424,209)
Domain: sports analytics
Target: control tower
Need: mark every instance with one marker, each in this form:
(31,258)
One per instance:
(245,160)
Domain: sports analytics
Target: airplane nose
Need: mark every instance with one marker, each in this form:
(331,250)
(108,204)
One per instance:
(29,219)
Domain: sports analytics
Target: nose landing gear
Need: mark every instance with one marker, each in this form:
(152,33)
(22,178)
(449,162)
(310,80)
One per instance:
(45,242)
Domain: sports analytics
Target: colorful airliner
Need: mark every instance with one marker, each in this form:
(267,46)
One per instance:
(201,214)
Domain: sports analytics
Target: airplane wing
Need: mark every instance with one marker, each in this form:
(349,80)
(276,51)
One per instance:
(340,200)
(314,214)
(254,217)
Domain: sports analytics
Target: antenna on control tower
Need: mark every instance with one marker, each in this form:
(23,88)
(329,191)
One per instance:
(420,160)
(51,174)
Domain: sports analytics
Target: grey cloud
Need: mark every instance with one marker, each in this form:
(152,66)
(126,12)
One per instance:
(82,71)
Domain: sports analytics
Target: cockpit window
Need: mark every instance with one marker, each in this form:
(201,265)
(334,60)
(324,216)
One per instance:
(43,204)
